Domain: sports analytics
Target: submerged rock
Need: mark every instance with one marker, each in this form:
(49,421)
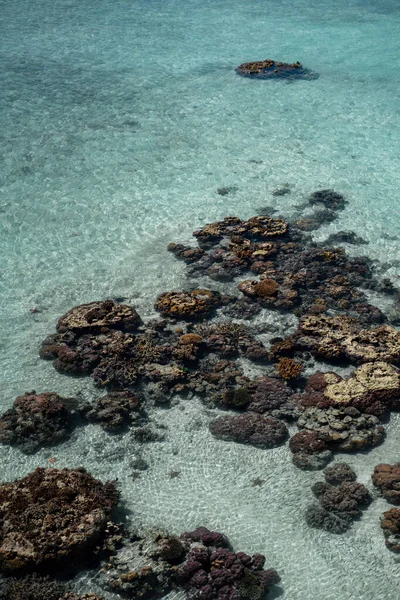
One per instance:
(53,517)
(36,420)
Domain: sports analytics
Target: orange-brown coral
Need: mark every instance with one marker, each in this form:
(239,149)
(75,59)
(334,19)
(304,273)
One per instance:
(289,368)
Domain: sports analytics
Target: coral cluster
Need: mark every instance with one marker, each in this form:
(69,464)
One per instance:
(250,428)
(52,517)
(387,479)
(271,69)
(201,562)
(340,500)
(36,420)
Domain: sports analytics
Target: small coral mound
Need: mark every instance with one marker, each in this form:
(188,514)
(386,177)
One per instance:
(339,503)
(289,369)
(390,523)
(387,479)
(329,199)
(271,69)
(188,305)
(91,318)
(310,452)
(36,420)
(250,428)
(270,395)
(115,411)
(52,516)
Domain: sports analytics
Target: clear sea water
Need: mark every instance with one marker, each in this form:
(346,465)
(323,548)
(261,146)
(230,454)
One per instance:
(119,121)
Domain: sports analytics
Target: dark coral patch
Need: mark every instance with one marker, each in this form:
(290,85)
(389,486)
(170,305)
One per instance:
(271,69)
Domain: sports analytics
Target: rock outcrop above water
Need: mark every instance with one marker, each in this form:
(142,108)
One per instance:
(53,518)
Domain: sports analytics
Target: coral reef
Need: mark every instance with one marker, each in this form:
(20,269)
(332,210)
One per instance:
(93,317)
(36,587)
(373,388)
(32,587)
(343,337)
(294,275)
(115,411)
(342,429)
(341,500)
(390,523)
(36,420)
(188,305)
(201,562)
(387,479)
(289,369)
(53,516)
(271,69)
(250,428)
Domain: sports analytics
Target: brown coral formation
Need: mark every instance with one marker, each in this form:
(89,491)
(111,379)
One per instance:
(387,479)
(390,523)
(343,337)
(90,318)
(289,369)
(52,517)
(250,428)
(36,420)
(373,388)
(188,305)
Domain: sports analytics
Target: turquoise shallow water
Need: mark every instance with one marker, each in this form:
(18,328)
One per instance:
(119,121)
